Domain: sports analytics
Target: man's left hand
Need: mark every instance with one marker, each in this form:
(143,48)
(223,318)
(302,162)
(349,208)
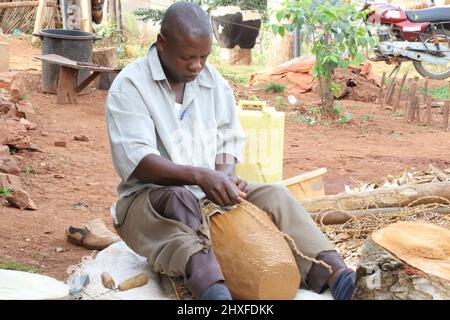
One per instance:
(241,183)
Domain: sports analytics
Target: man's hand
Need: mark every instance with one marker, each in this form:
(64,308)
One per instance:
(220,188)
(240,183)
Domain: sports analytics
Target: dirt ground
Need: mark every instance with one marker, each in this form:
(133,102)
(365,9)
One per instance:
(75,184)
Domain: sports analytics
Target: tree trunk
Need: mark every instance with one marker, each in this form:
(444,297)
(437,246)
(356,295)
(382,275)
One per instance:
(382,198)
(327,79)
(405,261)
(327,95)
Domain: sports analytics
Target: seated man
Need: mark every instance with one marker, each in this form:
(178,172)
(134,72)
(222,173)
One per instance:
(175,139)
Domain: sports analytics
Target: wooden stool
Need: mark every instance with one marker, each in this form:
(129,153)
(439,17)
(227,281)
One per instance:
(68,90)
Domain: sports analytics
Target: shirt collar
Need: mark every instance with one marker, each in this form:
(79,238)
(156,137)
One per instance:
(204,79)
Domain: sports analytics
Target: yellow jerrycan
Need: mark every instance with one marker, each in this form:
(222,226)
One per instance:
(263,154)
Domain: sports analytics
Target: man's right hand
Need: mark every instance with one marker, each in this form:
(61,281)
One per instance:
(219,188)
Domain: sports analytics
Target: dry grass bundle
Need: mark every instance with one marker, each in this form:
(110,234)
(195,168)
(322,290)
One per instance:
(23,18)
(349,237)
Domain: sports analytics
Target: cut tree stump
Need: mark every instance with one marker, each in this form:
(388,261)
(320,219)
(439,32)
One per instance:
(236,56)
(405,261)
(106,57)
(433,192)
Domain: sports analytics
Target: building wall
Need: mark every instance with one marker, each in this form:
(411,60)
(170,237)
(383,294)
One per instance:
(131,23)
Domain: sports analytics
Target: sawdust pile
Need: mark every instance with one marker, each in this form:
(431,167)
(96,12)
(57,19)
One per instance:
(356,83)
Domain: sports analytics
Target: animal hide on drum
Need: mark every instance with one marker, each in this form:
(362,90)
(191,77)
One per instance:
(256,260)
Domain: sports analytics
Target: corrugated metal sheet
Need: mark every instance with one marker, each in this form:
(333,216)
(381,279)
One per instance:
(131,5)
(129,21)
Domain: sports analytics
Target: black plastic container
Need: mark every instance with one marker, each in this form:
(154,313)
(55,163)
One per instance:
(72,44)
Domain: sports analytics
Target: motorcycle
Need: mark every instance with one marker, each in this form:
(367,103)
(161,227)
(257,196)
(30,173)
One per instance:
(420,36)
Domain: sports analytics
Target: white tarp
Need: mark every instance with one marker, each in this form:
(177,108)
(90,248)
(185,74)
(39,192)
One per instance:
(121,263)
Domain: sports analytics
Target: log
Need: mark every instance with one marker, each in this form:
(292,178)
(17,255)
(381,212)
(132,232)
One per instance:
(23,4)
(4,53)
(106,57)
(405,261)
(340,217)
(381,198)
(38,21)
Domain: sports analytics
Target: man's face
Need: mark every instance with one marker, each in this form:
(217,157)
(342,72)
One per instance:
(183,58)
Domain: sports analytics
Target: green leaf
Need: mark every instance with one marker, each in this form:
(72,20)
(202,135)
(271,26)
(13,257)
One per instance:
(275,28)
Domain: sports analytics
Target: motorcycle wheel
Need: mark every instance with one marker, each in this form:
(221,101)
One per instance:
(434,71)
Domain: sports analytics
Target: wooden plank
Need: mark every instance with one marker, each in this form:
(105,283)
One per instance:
(86,81)
(66,93)
(38,21)
(306,185)
(63,61)
(304,176)
(23,4)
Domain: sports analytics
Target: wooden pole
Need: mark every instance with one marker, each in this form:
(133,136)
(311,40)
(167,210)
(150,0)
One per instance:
(63,4)
(412,105)
(417,108)
(38,20)
(400,90)
(112,12)
(380,95)
(410,101)
(23,4)
(86,15)
(391,93)
(446,113)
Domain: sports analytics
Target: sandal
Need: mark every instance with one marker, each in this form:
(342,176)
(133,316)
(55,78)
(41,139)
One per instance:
(85,238)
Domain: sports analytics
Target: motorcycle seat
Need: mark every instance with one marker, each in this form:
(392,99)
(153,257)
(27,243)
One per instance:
(434,14)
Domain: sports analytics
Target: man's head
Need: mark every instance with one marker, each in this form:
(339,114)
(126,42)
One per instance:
(184,41)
